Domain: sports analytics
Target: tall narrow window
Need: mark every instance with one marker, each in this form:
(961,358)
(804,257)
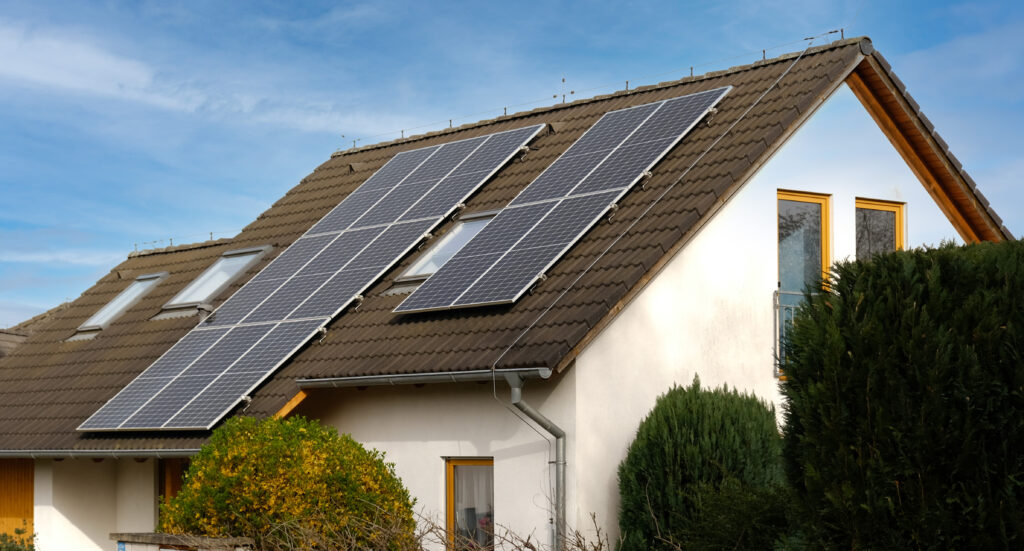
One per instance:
(470,488)
(879,227)
(804,236)
(803,240)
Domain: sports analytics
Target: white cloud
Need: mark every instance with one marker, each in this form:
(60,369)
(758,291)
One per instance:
(76,257)
(64,61)
(990,63)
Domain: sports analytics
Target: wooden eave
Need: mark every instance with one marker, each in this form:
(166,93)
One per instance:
(925,152)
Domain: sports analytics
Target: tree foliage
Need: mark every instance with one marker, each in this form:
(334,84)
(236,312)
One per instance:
(21,540)
(291,484)
(694,444)
(905,417)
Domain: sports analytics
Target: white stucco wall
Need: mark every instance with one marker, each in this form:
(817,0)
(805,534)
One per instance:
(79,502)
(710,311)
(419,427)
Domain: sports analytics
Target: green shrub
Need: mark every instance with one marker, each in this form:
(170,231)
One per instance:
(688,446)
(291,484)
(733,515)
(905,415)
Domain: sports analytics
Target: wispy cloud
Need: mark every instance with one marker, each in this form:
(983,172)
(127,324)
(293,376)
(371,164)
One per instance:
(991,61)
(63,61)
(78,257)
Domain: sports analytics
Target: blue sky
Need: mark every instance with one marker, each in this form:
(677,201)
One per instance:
(127,124)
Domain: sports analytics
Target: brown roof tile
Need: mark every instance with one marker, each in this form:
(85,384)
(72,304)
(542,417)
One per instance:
(49,386)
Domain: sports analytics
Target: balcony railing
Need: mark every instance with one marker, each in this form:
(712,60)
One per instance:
(786,304)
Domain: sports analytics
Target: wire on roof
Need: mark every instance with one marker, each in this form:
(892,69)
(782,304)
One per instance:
(657,199)
(600,87)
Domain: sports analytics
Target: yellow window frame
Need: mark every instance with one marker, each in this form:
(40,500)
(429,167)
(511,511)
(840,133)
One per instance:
(449,482)
(825,202)
(899,209)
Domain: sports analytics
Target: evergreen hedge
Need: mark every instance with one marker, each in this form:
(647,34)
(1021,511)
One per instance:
(905,415)
(691,445)
(291,484)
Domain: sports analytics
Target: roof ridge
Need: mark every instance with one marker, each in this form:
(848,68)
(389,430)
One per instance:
(24,327)
(182,247)
(863,40)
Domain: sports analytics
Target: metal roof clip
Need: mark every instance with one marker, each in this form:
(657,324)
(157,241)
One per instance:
(359,302)
(643,179)
(541,278)
(322,333)
(711,115)
(612,210)
(522,152)
(423,240)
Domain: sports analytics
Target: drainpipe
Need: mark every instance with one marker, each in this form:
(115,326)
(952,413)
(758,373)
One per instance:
(516,384)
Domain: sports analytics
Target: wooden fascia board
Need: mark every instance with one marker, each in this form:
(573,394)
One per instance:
(291,405)
(747,175)
(959,213)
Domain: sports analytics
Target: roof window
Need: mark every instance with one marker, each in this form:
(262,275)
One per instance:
(205,288)
(440,252)
(121,303)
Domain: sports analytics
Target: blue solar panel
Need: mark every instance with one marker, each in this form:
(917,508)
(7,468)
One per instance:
(255,331)
(509,255)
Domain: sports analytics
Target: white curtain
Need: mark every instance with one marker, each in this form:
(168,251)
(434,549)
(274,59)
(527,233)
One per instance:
(474,502)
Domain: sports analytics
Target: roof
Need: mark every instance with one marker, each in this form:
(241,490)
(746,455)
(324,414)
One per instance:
(15,335)
(8,340)
(49,386)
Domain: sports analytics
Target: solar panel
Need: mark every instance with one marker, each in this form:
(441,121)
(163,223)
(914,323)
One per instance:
(547,218)
(210,370)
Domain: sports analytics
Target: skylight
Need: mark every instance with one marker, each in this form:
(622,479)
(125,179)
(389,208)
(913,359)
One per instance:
(444,249)
(218,276)
(122,302)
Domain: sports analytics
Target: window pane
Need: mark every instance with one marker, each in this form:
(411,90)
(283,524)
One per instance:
(474,504)
(450,244)
(799,245)
(209,282)
(876,232)
(121,302)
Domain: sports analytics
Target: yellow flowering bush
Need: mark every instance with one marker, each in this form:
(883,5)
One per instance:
(291,484)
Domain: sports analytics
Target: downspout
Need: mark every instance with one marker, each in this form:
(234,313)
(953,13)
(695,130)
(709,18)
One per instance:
(516,384)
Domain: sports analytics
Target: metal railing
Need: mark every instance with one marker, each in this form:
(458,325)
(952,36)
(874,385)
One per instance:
(786,304)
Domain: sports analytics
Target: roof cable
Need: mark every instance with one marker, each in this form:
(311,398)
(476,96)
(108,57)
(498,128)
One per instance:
(494,365)
(656,201)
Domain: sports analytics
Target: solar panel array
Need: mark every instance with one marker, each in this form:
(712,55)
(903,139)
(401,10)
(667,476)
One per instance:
(209,371)
(509,254)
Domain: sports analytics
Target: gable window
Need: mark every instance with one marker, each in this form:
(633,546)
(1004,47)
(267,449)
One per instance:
(804,259)
(121,303)
(216,278)
(470,502)
(879,227)
(446,247)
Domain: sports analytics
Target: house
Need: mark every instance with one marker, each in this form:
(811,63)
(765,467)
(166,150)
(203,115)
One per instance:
(518,410)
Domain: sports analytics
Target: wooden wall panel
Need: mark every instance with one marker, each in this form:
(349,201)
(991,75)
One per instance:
(16,477)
